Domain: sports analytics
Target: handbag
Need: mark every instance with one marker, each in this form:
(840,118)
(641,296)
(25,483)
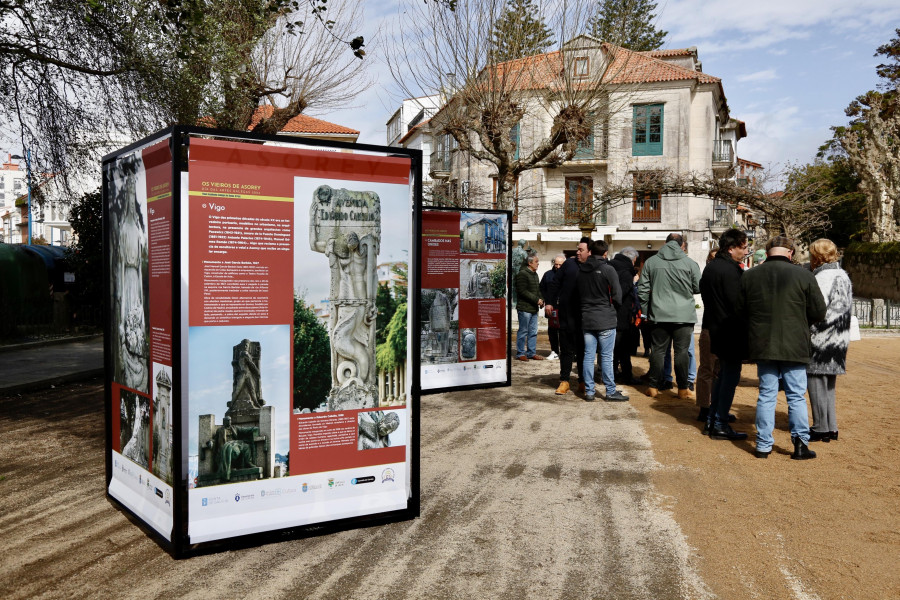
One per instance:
(855,335)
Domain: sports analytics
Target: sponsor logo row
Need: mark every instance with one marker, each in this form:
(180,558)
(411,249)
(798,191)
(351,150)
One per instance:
(387,475)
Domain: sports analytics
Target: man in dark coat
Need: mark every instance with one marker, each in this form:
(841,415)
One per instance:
(720,287)
(780,301)
(553,324)
(564,298)
(626,331)
(600,294)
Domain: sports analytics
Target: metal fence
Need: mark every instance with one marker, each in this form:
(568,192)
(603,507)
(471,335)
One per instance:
(873,312)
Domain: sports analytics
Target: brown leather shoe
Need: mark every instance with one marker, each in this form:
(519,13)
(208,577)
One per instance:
(686,394)
(563,388)
(581,387)
(652,392)
(523,357)
(537,357)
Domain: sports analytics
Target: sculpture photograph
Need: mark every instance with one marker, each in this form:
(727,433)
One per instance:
(134,427)
(468,344)
(440,325)
(376,429)
(239,394)
(345,226)
(129,287)
(478,278)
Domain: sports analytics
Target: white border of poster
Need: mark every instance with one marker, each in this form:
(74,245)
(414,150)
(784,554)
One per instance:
(463,295)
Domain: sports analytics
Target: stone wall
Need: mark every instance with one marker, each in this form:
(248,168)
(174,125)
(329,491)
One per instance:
(874,270)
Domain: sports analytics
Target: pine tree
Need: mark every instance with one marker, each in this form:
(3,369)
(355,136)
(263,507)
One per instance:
(520,31)
(628,23)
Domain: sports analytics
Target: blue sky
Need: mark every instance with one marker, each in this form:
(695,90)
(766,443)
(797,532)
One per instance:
(789,67)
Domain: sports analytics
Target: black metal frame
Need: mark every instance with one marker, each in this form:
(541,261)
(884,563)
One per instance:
(180,546)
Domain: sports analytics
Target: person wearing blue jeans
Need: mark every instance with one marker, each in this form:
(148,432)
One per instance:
(526,337)
(601,294)
(793,377)
(779,301)
(527,305)
(605,340)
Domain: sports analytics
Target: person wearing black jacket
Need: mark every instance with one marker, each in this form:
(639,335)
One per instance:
(720,288)
(600,294)
(553,325)
(564,298)
(626,332)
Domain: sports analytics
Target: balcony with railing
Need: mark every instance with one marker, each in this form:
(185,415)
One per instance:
(722,155)
(440,164)
(566,214)
(723,218)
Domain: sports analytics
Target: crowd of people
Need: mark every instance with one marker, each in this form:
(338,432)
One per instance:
(792,321)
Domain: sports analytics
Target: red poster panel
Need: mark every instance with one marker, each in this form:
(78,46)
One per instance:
(463,299)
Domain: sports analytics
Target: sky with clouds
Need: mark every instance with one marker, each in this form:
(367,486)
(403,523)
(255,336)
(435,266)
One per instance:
(789,67)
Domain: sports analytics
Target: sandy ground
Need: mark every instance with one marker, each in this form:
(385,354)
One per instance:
(524,495)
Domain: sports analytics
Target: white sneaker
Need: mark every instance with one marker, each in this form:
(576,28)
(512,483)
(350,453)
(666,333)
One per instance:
(552,356)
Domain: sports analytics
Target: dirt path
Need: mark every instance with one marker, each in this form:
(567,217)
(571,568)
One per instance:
(524,495)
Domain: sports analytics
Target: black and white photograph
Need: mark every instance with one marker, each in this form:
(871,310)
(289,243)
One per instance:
(162,422)
(134,427)
(440,325)
(129,307)
(468,344)
(381,429)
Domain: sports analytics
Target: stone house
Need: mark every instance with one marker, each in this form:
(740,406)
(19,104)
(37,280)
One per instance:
(666,115)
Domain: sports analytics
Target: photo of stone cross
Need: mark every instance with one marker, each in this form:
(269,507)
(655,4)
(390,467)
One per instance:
(345,225)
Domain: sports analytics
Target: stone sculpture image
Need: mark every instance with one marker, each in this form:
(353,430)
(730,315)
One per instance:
(468,344)
(439,341)
(128,245)
(135,428)
(479,285)
(240,449)
(345,225)
(162,427)
(375,428)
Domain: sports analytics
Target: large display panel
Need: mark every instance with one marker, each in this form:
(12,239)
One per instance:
(464,313)
(267,389)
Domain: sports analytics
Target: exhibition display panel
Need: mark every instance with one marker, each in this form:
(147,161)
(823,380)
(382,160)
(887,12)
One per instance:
(257,346)
(464,310)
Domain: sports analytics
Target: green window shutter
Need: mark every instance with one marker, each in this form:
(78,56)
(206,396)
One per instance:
(514,137)
(647,130)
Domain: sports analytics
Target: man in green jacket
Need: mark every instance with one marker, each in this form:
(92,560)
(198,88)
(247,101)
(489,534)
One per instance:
(666,290)
(780,301)
(529,301)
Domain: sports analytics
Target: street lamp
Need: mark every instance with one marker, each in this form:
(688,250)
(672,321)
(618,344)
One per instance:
(27,159)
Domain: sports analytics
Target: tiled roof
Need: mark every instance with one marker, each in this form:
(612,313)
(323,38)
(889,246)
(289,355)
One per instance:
(672,52)
(302,123)
(627,67)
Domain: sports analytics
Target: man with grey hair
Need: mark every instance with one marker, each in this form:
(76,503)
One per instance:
(552,315)
(626,330)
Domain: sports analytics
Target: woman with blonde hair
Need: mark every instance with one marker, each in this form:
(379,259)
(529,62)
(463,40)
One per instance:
(829,339)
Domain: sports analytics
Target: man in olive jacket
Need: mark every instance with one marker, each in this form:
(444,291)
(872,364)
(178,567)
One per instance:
(780,301)
(529,301)
(666,290)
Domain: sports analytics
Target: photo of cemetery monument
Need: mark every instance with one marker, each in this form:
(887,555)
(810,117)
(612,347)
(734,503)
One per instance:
(162,422)
(345,226)
(239,402)
(440,325)
(482,233)
(134,427)
(129,308)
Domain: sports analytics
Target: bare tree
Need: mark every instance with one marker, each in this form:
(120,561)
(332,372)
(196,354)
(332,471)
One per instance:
(793,202)
(555,100)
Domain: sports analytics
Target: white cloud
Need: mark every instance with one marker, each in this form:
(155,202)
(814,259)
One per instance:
(766,75)
(730,25)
